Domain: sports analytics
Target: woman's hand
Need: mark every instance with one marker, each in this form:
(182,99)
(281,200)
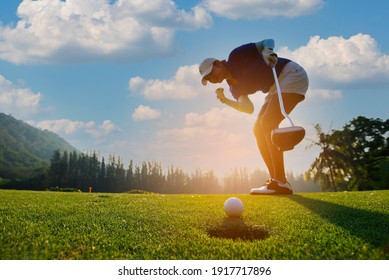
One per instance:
(220,95)
(270,57)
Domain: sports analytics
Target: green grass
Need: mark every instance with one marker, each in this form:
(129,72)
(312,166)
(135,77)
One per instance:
(53,225)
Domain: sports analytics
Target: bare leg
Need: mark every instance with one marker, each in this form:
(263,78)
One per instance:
(268,119)
(262,142)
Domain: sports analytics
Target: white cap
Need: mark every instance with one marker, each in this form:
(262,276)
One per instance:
(205,68)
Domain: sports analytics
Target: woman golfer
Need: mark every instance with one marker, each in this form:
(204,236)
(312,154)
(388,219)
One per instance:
(248,70)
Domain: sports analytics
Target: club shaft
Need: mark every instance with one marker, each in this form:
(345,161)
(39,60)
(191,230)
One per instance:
(280,96)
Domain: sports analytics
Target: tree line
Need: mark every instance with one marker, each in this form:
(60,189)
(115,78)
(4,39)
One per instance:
(81,171)
(353,158)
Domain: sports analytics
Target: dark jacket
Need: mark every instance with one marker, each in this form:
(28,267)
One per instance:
(250,73)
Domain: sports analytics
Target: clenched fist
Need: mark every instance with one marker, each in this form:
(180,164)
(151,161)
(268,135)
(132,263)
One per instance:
(220,95)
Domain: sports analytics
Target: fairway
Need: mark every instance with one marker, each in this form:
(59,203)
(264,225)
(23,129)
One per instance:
(54,225)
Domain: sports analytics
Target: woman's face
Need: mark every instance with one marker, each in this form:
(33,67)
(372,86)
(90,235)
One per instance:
(217,75)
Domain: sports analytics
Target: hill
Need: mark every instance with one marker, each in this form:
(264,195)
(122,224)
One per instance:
(24,149)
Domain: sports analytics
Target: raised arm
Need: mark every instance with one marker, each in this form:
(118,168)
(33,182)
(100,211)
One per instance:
(243,104)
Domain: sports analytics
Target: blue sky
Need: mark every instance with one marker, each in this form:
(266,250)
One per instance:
(121,77)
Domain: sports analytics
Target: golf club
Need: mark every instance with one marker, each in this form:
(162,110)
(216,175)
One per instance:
(285,138)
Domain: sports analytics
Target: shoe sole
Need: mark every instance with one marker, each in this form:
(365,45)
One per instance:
(278,191)
(272,193)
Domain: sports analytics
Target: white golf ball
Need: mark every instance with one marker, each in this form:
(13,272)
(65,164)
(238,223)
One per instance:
(233,207)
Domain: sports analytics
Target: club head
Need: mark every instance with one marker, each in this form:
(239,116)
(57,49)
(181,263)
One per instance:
(286,138)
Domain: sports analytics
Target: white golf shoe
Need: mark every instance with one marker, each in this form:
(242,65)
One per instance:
(273,187)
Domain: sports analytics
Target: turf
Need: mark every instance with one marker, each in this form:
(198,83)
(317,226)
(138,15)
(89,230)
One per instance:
(53,225)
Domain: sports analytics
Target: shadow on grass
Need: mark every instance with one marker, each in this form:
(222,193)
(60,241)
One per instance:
(237,229)
(372,227)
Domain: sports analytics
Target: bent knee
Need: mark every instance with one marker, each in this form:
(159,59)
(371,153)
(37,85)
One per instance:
(257,129)
(261,129)
(264,126)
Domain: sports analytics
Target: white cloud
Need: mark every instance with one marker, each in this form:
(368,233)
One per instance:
(72,30)
(143,113)
(327,94)
(218,118)
(339,61)
(17,100)
(136,84)
(184,85)
(68,127)
(64,125)
(254,9)
(106,128)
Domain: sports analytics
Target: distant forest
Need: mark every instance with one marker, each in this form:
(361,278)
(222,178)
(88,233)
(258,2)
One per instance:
(36,159)
(81,171)
(354,158)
